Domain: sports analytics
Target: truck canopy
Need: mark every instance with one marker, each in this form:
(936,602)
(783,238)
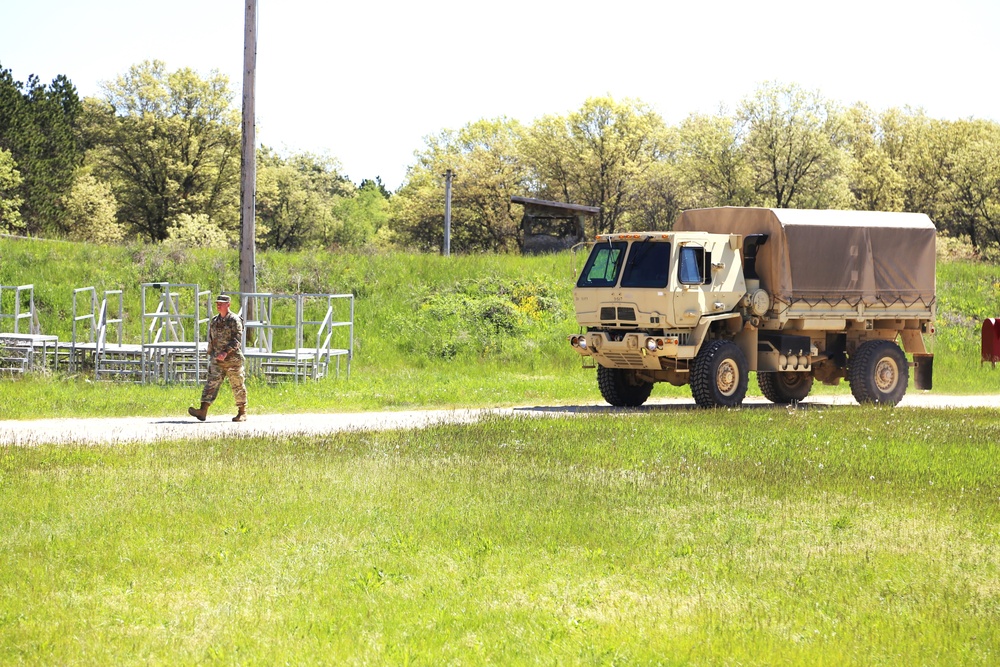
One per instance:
(833,256)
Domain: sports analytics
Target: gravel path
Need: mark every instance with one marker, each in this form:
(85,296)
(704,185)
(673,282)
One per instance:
(146,429)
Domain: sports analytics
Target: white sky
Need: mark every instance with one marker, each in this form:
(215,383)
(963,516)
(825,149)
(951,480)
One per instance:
(365,82)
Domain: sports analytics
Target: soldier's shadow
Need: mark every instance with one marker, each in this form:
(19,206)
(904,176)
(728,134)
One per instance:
(191,422)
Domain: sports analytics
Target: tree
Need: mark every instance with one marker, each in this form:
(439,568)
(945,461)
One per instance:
(921,150)
(297,198)
(38,126)
(874,183)
(973,208)
(596,156)
(713,162)
(658,197)
(362,216)
(196,231)
(377,184)
(91,211)
(793,144)
(169,144)
(484,156)
(10,201)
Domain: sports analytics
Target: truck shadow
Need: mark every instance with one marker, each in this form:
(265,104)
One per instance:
(654,408)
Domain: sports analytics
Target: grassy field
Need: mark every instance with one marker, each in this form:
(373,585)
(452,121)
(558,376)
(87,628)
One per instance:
(820,536)
(835,536)
(431,331)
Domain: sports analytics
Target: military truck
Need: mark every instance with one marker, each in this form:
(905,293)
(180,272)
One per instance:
(796,296)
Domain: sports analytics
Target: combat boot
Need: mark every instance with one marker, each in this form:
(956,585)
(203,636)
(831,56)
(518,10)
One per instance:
(201,413)
(241,416)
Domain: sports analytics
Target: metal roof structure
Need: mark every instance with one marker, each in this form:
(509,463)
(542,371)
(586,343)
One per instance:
(550,226)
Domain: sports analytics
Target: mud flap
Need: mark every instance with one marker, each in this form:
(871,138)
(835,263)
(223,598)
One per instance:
(923,370)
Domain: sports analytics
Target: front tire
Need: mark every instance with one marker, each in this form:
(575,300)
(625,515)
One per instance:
(783,388)
(621,388)
(878,373)
(719,375)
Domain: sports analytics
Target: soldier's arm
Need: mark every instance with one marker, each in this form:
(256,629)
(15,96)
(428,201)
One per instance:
(235,338)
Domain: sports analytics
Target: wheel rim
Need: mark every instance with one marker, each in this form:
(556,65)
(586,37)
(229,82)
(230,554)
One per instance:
(727,378)
(792,380)
(886,374)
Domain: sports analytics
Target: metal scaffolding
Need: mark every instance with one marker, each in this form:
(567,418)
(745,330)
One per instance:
(295,336)
(291,337)
(23,347)
(91,345)
(174,349)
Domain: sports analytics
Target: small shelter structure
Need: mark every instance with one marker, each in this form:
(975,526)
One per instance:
(550,226)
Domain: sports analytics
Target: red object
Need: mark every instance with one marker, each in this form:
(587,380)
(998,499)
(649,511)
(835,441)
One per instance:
(991,340)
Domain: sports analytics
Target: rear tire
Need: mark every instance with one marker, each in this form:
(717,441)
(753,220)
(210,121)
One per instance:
(719,375)
(878,373)
(784,387)
(621,388)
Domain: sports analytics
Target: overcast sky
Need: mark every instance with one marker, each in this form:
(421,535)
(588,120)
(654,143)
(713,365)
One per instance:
(366,81)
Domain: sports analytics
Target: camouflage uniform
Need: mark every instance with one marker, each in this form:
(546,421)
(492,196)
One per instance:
(225,335)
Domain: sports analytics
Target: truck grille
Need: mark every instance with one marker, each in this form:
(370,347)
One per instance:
(624,359)
(610,314)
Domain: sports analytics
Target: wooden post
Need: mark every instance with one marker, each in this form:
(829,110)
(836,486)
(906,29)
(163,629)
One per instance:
(248,162)
(448,176)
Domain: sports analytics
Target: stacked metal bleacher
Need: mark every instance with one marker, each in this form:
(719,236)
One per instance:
(286,336)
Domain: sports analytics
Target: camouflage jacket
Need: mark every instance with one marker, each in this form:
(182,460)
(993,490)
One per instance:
(225,334)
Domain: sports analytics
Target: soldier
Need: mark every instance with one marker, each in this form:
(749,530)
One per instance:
(225,334)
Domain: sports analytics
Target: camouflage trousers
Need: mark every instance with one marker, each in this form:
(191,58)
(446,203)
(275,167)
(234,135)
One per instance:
(219,371)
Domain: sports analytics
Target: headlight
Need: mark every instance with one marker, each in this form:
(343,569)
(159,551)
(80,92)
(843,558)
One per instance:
(651,345)
(582,342)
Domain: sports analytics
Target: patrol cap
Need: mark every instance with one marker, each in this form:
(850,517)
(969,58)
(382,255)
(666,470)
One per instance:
(222,298)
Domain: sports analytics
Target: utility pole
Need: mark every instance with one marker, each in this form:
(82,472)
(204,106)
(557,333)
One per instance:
(448,176)
(248,162)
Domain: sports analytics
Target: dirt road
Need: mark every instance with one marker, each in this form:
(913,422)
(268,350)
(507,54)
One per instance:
(145,429)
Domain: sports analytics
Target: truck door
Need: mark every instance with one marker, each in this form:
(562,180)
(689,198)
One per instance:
(692,295)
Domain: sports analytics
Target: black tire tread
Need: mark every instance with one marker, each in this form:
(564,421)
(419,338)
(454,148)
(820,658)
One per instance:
(618,391)
(778,392)
(860,372)
(703,369)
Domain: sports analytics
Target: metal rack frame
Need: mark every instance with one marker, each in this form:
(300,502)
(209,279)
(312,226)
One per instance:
(168,351)
(301,361)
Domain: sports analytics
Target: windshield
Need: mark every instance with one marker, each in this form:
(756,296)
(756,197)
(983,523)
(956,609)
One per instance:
(648,265)
(601,269)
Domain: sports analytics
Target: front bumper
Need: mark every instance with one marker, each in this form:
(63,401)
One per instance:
(631,350)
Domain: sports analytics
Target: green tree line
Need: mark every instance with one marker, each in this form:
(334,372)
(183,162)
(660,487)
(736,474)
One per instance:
(782,146)
(156,156)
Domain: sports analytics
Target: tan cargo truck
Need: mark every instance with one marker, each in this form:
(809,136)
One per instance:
(793,295)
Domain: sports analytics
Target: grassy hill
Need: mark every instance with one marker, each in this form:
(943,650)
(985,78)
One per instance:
(464,330)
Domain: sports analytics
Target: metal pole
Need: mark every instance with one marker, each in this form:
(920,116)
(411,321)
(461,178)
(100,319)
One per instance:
(248,160)
(448,176)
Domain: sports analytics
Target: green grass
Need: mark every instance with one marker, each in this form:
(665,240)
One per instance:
(431,331)
(837,536)
(406,388)
(968,293)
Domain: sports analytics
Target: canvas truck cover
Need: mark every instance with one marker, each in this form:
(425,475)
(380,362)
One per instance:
(833,256)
